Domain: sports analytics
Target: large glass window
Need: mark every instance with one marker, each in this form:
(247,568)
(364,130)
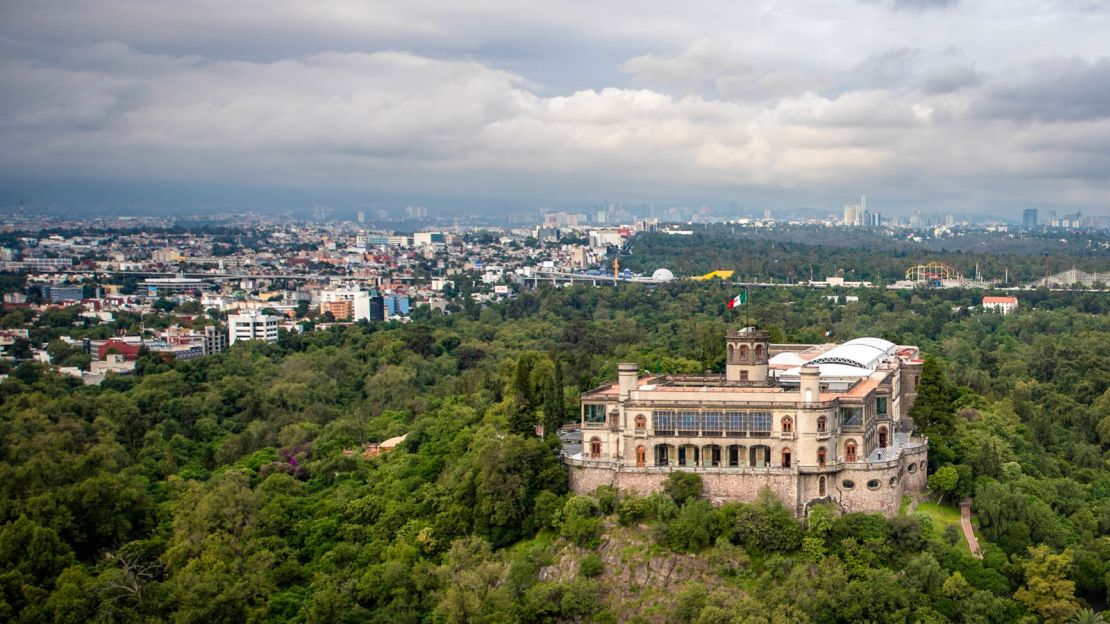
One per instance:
(882,406)
(735,423)
(595,413)
(760,423)
(851,416)
(711,422)
(663,422)
(688,422)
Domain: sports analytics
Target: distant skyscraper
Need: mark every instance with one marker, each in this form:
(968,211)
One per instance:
(856,214)
(1029,217)
(851,214)
(361,217)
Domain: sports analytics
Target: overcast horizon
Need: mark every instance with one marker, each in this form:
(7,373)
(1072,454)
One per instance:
(933,105)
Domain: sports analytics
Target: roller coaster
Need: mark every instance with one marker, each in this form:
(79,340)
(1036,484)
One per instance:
(934,272)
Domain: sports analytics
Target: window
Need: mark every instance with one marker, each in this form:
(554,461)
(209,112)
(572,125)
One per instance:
(873,484)
(641,457)
(758,352)
(850,450)
(882,406)
(735,423)
(664,423)
(912,468)
(594,413)
(641,423)
(744,352)
(882,437)
(688,423)
(822,424)
(893,481)
(662,454)
(760,455)
(711,423)
(821,486)
(687,455)
(851,416)
(595,448)
(787,424)
(734,454)
(712,455)
(847,485)
(743,375)
(820,456)
(760,423)
(785,458)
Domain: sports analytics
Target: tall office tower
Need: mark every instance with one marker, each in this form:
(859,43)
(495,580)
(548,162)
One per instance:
(851,214)
(1029,217)
(361,217)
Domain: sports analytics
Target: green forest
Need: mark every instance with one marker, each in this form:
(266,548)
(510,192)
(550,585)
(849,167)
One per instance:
(233,487)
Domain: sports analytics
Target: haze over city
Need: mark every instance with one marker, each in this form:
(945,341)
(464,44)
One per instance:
(985,107)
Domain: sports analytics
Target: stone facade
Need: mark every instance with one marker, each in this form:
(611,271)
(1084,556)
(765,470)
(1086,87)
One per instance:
(829,423)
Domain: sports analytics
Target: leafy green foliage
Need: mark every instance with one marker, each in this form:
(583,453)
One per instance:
(235,487)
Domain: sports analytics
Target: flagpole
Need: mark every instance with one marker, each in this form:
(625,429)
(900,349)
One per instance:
(746,306)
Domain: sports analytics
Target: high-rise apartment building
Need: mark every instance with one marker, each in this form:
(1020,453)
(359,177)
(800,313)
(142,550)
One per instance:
(1029,217)
(252,325)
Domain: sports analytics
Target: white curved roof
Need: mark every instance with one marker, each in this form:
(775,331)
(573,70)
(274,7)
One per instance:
(862,353)
(662,275)
(788,358)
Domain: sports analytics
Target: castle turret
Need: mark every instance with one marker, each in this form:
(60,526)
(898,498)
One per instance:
(810,384)
(627,373)
(747,356)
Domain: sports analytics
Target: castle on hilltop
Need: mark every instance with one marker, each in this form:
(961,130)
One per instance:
(814,423)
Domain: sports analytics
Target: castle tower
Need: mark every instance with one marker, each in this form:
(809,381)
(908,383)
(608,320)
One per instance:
(747,356)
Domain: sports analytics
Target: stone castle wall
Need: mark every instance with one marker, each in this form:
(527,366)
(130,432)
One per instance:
(796,490)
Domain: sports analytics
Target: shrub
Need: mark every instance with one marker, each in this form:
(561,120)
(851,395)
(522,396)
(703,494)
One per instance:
(591,565)
(682,486)
(579,523)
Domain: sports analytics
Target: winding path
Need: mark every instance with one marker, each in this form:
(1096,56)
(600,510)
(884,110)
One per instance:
(969,534)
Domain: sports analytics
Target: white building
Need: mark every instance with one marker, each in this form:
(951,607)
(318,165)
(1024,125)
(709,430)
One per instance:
(252,325)
(1004,305)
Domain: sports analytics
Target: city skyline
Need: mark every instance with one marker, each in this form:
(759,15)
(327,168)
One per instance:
(938,106)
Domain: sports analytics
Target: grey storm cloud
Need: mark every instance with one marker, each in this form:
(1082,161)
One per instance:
(1052,90)
(711,100)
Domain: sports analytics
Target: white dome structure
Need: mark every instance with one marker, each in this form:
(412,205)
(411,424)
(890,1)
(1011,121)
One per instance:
(662,275)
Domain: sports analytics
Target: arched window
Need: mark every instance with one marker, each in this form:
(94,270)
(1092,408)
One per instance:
(744,353)
(820,456)
(732,353)
(882,437)
(785,458)
(821,486)
(850,450)
(822,422)
(641,457)
(595,448)
(787,424)
(758,352)
(641,423)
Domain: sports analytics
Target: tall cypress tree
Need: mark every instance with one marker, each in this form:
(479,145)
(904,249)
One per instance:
(932,409)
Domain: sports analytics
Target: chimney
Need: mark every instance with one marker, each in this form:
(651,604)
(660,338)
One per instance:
(627,373)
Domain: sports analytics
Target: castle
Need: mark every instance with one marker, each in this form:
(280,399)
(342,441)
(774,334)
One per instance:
(813,423)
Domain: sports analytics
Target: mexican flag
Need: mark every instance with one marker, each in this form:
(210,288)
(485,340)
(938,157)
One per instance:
(740,299)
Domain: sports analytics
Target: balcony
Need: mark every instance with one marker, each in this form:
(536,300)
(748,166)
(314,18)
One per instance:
(788,435)
(824,435)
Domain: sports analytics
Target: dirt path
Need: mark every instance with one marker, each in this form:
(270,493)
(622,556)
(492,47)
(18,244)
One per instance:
(965,522)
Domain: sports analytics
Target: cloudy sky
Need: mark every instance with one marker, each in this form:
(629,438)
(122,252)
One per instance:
(988,106)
